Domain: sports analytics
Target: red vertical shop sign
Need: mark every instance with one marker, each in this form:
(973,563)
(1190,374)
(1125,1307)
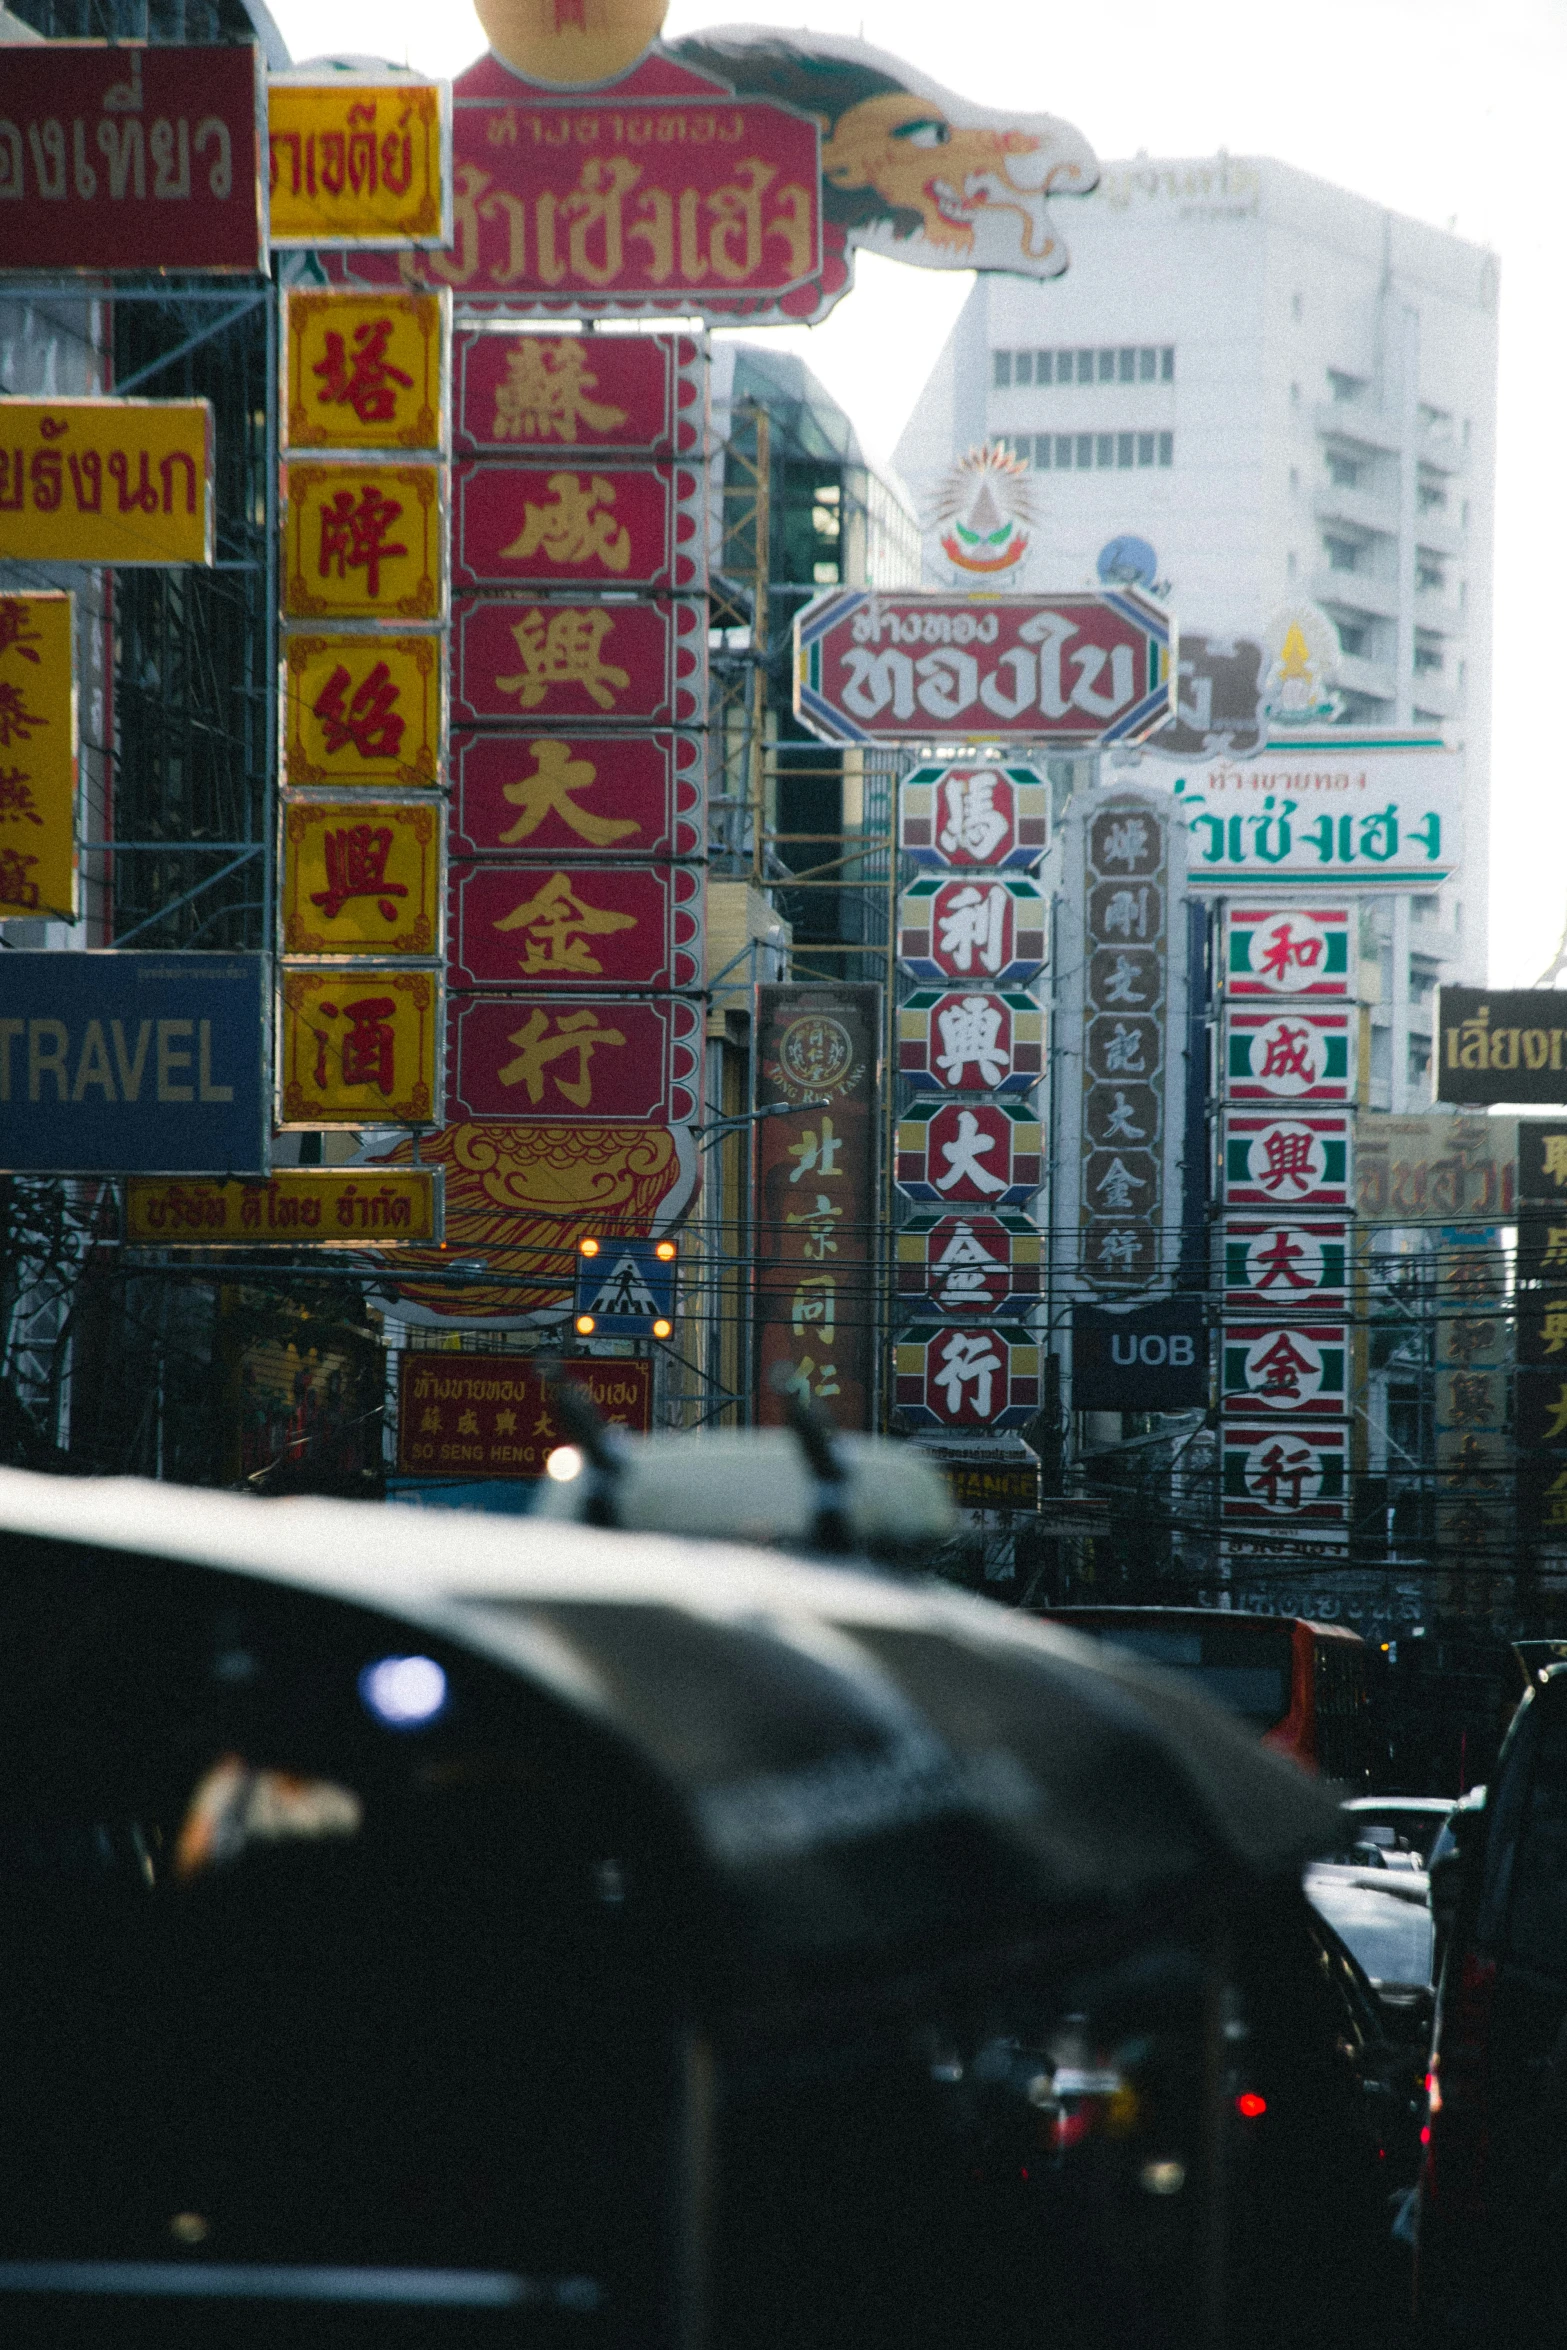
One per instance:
(818,1048)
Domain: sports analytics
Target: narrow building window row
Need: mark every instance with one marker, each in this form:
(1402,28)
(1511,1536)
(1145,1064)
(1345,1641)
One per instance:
(1124,363)
(1067,452)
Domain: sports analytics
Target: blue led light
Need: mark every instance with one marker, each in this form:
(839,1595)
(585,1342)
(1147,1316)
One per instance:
(404,1692)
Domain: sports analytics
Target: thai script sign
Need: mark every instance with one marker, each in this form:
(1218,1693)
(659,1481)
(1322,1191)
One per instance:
(359,1046)
(1283,1473)
(1285,1268)
(1290,950)
(678,203)
(578,927)
(365,879)
(818,1048)
(1436,1168)
(1121,1180)
(364,710)
(117,156)
(542,795)
(530,394)
(986,815)
(605,1058)
(945,1378)
(962,1154)
(1301,1055)
(1268,1161)
(1501,1044)
(38,869)
(982,929)
(971,1043)
(560,663)
(493,1417)
(356,161)
(974,1264)
(554,526)
(1071,671)
(1148,1358)
(1296,1367)
(382,1208)
(113,1063)
(365,542)
(1337,809)
(105,481)
(365,371)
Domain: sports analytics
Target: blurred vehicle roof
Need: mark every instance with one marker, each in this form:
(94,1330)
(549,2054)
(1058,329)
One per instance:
(1390,1936)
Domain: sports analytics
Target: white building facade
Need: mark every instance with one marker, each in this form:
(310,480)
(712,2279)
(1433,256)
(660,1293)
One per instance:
(1289,393)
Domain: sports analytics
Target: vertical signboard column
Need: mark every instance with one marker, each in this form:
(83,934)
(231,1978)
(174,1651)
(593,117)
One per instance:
(1125,972)
(1541,1408)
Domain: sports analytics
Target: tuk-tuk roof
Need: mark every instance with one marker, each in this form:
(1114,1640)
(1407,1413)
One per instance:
(835,1737)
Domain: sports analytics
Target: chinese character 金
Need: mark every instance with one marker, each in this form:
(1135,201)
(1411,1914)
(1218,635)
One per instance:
(356,868)
(367,1050)
(970,1029)
(353,536)
(15,635)
(16,720)
(1116,1186)
(549,791)
(963,1157)
(574,525)
(368,723)
(817,1154)
(969,1359)
(564,648)
(364,378)
(17,805)
(965,1271)
(577,1034)
(1277,1373)
(557,923)
(544,395)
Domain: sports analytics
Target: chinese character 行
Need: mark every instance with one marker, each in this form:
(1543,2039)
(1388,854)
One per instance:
(564,647)
(356,868)
(354,536)
(544,394)
(369,722)
(964,1154)
(1281,1473)
(576,1033)
(548,792)
(972,922)
(969,1030)
(1119,1250)
(361,380)
(574,525)
(969,1359)
(974,823)
(558,924)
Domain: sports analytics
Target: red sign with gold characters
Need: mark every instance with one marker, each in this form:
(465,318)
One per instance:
(663,194)
(493,1417)
(604,1058)
(529,394)
(576,927)
(116,155)
(563,662)
(550,526)
(819,1050)
(541,795)
(976,1379)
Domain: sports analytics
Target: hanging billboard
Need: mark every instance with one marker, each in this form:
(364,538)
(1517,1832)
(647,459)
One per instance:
(1325,811)
(106,481)
(526,392)
(359,160)
(1501,1045)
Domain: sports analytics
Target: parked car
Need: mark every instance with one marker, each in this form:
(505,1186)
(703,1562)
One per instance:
(1493,2190)
(1390,1931)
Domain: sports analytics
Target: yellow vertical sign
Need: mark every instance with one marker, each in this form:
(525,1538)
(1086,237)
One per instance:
(365,542)
(364,710)
(366,371)
(357,160)
(363,879)
(38,873)
(359,1046)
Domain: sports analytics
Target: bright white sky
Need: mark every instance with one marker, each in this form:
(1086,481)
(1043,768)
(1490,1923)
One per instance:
(1449,110)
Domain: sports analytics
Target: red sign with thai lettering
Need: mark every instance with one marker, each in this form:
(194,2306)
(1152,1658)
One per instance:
(574,927)
(492,1417)
(917,666)
(665,194)
(122,157)
(536,394)
(642,662)
(519,1059)
(541,795)
(557,525)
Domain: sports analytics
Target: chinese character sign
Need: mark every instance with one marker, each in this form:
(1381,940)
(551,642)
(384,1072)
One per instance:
(569,662)
(359,1046)
(492,1417)
(105,481)
(549,396)
(119,156)
(356,161)
(540,795)
(969,1154)
(365,371)
(38,870)
(819,1049)
(557,525)
(993,816)
(1294,951)
(365,542)
(1121,1180)
(968,1041)
(1273,1472)
(989,929)
(1304,1054)
(973,1379)
(362,879)
(364,710)
(540,1058)
(1285,1268)
(1277,1162)
(1295,1367)
(971,1263)
(1332,815)
(576,927)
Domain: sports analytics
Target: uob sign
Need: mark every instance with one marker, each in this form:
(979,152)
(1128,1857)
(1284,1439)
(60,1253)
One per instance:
(1151,1358)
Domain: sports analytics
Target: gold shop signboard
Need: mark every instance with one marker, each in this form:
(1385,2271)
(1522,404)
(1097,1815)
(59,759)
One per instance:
(38,872)
(329,1207)
(106,481)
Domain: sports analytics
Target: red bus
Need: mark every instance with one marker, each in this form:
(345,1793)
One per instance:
(1305,1686)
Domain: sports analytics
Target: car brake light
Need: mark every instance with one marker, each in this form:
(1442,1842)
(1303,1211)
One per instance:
(1250,2106)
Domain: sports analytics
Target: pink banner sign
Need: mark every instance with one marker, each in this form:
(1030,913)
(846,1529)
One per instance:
(521,1059)
(529,394)
(540,795)
(581,927)
(116,156)
(556,525)
(641,661)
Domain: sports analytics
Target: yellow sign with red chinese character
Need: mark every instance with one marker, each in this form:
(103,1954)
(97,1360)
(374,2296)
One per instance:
(359,1046)
(363,880)
(338,1207)
(364,710)
(366,371)
(365,542)
(106,481)
(357,160)
(38,873)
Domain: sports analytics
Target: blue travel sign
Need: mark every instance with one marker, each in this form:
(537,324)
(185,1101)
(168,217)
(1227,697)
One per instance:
(132,1064)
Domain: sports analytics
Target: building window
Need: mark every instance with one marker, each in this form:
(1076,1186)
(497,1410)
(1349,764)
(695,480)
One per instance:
(1022,367)
(1145,447)
(1125,448)
(1296,306)
(1104,448)
(1419,1059)
(1431,495)
(1291,563)
(1085,367)
(1064,452)
(1430,572)
(1345,387)
(1429,657)
(1085,448)
(1107,367)
(1353,638)
(1003,367)
(1342,554)
(1343,472)
(1123,363)
(1167,448)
